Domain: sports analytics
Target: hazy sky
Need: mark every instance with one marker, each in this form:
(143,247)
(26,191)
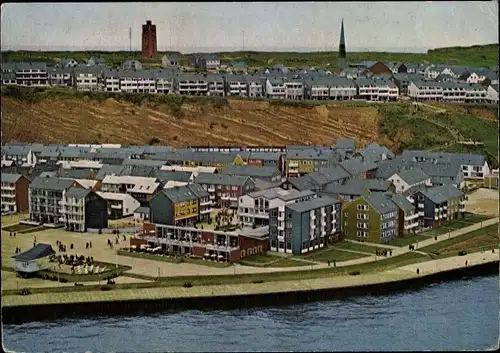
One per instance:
(267,26)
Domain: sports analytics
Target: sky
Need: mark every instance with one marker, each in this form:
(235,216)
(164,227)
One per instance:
(189,27)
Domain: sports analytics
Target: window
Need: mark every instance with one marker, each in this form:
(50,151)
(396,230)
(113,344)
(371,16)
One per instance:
(362,207)
(362,225)
(362,216)
(362,234)
(346,214)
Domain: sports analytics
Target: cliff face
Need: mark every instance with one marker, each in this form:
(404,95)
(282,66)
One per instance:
(240,122)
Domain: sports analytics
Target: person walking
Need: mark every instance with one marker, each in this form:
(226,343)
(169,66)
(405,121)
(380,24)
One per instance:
(418,271)
(90,244)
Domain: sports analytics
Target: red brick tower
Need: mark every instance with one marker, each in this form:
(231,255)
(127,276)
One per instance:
(148,40)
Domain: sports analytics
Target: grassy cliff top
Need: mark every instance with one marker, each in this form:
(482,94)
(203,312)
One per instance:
(478,55)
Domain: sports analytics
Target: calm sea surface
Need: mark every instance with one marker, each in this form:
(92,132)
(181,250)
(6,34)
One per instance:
(459,315)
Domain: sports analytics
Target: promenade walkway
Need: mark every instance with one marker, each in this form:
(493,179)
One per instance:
(398,274)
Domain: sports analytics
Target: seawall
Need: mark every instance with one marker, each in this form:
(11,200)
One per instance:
(41,312)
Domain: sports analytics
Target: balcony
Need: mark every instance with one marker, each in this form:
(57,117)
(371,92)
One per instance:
(413,216)
(445,208)
(420,205)
(411,225)
(116,207)
(8,187)
(211,189)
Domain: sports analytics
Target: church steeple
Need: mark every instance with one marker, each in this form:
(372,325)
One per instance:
(342,52)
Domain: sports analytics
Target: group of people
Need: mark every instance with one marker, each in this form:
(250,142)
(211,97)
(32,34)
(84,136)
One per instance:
(88,245)
(383,252)
(62,247)
(12,234)
(18,250)
(72,260)
(411,247)
(117,241)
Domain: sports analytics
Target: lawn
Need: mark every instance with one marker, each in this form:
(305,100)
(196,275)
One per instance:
(173,259)
(486,237)
(17,227)
(289,263)
(14,218)
(262,258)
(410,239)
(469,220)
(357,247)
(333,254)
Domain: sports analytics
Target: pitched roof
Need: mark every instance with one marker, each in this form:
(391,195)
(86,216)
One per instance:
(37,252)
(221,179)
(357,186)
(317,202)
(355,167)
(180,194)
(442,193)
(279,193)
(401,202)
(109,169)
(51,183)
(380,202)
(10,178)
(251,170)
(167,175)
(198,190)
(78,193)
(413,175)
(305,182)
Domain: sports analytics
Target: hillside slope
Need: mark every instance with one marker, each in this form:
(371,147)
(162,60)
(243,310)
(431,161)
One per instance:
(239,122)
(477,55)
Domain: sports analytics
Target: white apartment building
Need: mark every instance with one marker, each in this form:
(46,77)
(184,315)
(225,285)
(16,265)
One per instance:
(61,77)
(192,85)
(255,88)
(275,88)
(418,90)
(119,204)
(31,74)
(447,91)
(343,91)
(253,208)
(377,90)
(141,188)
(146,82)
(236,85)
(111,80)
(492,94)
(87,78)
(407,179)
(215,85)
(294,89)
(164,82)
(319,90)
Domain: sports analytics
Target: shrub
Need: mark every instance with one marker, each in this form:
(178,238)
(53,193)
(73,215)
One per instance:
(106,287)
(354,273)
(154,141)
(258,281)
(188,285)
(63,280)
